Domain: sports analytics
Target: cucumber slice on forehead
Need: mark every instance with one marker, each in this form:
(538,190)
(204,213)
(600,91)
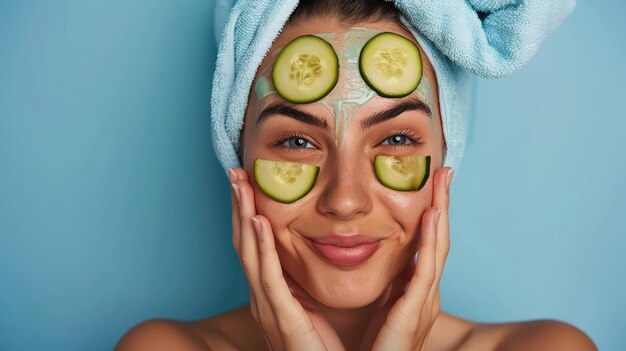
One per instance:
(306,69)
(391,65)
(285,181)
(408,173)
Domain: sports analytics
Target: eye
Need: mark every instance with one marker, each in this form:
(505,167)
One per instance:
(292,140)
(297,142)
(400,138)
(397,139)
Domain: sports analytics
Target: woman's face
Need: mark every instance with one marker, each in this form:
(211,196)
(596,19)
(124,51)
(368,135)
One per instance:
(347,197)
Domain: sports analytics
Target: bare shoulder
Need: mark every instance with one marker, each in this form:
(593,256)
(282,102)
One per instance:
(230,331)
(161,334)
(540,335)
(449,332)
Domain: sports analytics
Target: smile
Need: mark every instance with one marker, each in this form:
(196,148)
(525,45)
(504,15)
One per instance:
(344,256)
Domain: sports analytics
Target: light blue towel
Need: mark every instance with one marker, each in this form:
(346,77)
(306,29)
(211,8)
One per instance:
(490,38)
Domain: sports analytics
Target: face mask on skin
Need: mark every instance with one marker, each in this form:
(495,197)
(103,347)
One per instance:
(351,91)
(288,182)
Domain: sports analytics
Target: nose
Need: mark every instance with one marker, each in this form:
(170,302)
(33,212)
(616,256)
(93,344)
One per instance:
(346,192)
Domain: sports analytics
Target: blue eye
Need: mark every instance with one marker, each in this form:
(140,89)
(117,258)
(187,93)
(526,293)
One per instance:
(397,139)
(297,142)
(400,137)
(294,140)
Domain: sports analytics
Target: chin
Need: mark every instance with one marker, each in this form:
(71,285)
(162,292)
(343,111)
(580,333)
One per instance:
(355,302)
(348,292)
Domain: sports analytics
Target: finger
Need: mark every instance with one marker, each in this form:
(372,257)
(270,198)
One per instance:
(436,305)
(412,302)
(235,174)
(272,279)
(241,173)
(234,205)
(248,246)
(254,309)
(441,199)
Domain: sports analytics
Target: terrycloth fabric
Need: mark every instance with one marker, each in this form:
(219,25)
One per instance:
(490,38)
(508,36)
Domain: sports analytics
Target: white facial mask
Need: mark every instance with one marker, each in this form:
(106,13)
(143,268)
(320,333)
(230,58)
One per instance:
(351,92)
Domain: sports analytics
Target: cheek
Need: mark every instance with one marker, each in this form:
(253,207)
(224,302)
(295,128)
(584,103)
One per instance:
(407,209)
(279,214)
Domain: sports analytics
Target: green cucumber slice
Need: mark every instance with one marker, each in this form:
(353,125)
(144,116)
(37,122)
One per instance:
(306,69)
(285,181)
(391,65)
(407,173)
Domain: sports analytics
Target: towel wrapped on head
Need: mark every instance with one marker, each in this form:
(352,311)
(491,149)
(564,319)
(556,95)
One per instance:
(489,38)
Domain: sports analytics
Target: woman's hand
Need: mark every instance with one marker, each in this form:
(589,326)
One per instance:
(285,323)
(410,319)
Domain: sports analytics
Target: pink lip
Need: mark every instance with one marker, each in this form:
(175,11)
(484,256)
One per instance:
(344,250)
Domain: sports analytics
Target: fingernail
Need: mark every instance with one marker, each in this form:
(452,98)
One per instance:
(437,215)
(236,188)
(232,175)
(449,177)
(257,225)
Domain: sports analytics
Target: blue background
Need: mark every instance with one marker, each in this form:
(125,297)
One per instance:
(114,209)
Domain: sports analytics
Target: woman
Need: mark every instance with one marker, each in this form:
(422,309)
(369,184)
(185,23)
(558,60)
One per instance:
(311,286)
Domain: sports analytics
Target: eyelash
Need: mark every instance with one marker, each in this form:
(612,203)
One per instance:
(287,136)
(408,133)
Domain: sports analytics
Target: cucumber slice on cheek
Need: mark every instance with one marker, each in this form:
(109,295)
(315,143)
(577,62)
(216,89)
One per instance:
(408,173)
(391,65)
(285,181)
(288,182)
(306,69)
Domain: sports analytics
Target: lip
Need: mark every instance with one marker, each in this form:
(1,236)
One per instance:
(346,251)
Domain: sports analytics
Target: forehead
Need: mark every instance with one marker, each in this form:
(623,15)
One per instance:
(319,26)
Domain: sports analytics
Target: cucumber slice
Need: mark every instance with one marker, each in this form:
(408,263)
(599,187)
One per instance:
(285,181)
(391,65)
(306,69)
(408,173)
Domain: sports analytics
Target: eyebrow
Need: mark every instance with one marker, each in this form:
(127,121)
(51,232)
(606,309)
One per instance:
(406,105)
(282,108)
